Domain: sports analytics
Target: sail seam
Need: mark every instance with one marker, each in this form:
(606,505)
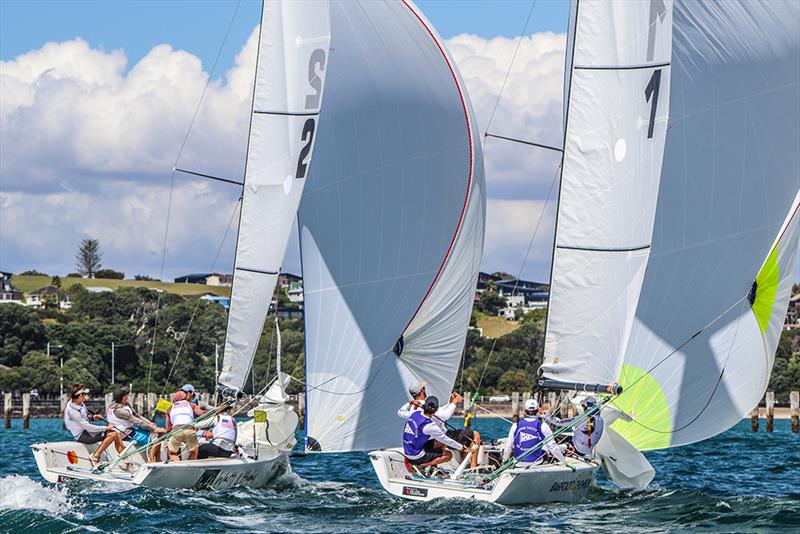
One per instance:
(255,270)
(289,113)
(471,157)
(623,67)
(605,249)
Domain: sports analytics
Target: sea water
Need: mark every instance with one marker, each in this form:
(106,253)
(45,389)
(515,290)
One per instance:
(739,481)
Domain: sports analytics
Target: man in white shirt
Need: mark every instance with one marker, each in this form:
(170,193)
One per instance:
(526,434)
(587,433)
(77,421)
(425,442)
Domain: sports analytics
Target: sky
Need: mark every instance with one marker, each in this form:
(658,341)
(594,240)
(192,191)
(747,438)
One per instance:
(96,99)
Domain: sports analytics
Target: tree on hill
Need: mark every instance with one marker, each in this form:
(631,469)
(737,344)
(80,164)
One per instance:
(32,272)
(21,331)
(490,302)
(55,281)
(88,259)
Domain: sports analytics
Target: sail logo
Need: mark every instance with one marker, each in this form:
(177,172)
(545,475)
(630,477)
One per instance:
(316,65)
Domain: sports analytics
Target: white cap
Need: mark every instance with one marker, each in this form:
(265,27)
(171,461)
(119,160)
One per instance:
(415,388)
(531,405)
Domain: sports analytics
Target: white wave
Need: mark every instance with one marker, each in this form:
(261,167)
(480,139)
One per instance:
(22,493)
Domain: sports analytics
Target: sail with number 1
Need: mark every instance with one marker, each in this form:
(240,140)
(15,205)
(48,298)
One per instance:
(292,57)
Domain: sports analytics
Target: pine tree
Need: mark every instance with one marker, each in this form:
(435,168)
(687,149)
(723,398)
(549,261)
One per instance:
(87,260)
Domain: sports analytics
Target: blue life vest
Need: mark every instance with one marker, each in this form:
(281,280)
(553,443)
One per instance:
(414,439)
(527,435)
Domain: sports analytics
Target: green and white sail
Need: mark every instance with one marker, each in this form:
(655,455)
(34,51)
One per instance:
(293,52)
(689,323)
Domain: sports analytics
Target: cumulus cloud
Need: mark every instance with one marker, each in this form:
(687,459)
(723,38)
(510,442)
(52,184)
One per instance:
(86,147)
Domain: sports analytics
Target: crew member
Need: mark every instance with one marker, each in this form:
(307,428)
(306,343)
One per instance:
(424,442)
(130,424)
(181,416)
(77,421)
(527,433)
(222,437)
(587,433)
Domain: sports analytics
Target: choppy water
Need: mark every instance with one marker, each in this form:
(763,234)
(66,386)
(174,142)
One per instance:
(738,481)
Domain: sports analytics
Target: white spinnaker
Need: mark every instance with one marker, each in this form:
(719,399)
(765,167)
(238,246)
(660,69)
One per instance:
(391,226)
(731,172)
(618,88)
(290,74)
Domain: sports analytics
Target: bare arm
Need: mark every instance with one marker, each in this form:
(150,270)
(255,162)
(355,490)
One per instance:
(509,448)
(549,444)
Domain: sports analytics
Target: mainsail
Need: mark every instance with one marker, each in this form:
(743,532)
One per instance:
(391,226)
(689,329)
(292,60)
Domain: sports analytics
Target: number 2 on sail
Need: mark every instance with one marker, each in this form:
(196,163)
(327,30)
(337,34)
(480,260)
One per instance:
(315,62)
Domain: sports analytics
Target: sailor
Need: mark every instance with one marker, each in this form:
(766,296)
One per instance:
(587,433)
(466,436)
(424,442)
(527,433)
(181,416)
(130,424)
(77,421)
(222,437)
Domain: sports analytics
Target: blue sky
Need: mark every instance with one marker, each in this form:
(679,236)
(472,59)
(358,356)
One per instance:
(199,27)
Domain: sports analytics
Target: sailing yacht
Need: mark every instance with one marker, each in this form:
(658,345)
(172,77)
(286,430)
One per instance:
(675,248)
(293,49)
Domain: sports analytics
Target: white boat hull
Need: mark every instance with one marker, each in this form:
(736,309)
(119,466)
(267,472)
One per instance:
(524,485)
(264,451)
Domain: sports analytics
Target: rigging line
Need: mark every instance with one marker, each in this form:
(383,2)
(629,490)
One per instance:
(713,392)
(172,186)
(521,141)
(524,261)
(197,304)
(210,177)
(511,65)
(331,379)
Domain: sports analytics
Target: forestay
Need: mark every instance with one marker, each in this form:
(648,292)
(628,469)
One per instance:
(731,172)
(293,53)
(617,91)
(391,226)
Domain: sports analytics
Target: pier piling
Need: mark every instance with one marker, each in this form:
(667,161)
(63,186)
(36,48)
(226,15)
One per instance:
(794,406)
(754,419)
(7,410)
(301,408)
(63,400)
(515,403)
(770,410)
(26,410)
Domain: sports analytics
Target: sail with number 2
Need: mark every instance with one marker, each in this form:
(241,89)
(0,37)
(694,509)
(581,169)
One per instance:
(677,228)
(391,226)
(290,76)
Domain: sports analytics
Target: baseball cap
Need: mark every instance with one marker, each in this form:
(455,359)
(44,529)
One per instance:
(531,405)
(188,388)
(431,404)
(415,388)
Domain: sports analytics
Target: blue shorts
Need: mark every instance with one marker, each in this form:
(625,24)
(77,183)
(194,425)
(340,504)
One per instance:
(139,435)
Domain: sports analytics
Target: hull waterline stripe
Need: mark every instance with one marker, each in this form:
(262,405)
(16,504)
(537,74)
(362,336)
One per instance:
(591,249)
(255,270)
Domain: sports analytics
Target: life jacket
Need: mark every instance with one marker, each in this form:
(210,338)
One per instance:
(528,434)
(587,435)
(224,432)
(414,439)
(181,413)
(121,425)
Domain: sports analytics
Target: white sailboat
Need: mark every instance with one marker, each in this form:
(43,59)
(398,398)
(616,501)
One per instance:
(293,50)
(679,169)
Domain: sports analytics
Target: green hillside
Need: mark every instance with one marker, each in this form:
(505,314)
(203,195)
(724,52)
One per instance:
(32,283)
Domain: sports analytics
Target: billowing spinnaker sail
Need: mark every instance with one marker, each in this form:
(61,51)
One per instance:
(618,88)
(731,171)
(391,226)
(290,74)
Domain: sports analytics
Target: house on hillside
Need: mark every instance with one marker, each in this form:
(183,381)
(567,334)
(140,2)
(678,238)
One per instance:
(217,279)
(792,321)
(287,279)
(38,298)
(8,295)
(225,302)
(295,292)
(524,294)
(193,278)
